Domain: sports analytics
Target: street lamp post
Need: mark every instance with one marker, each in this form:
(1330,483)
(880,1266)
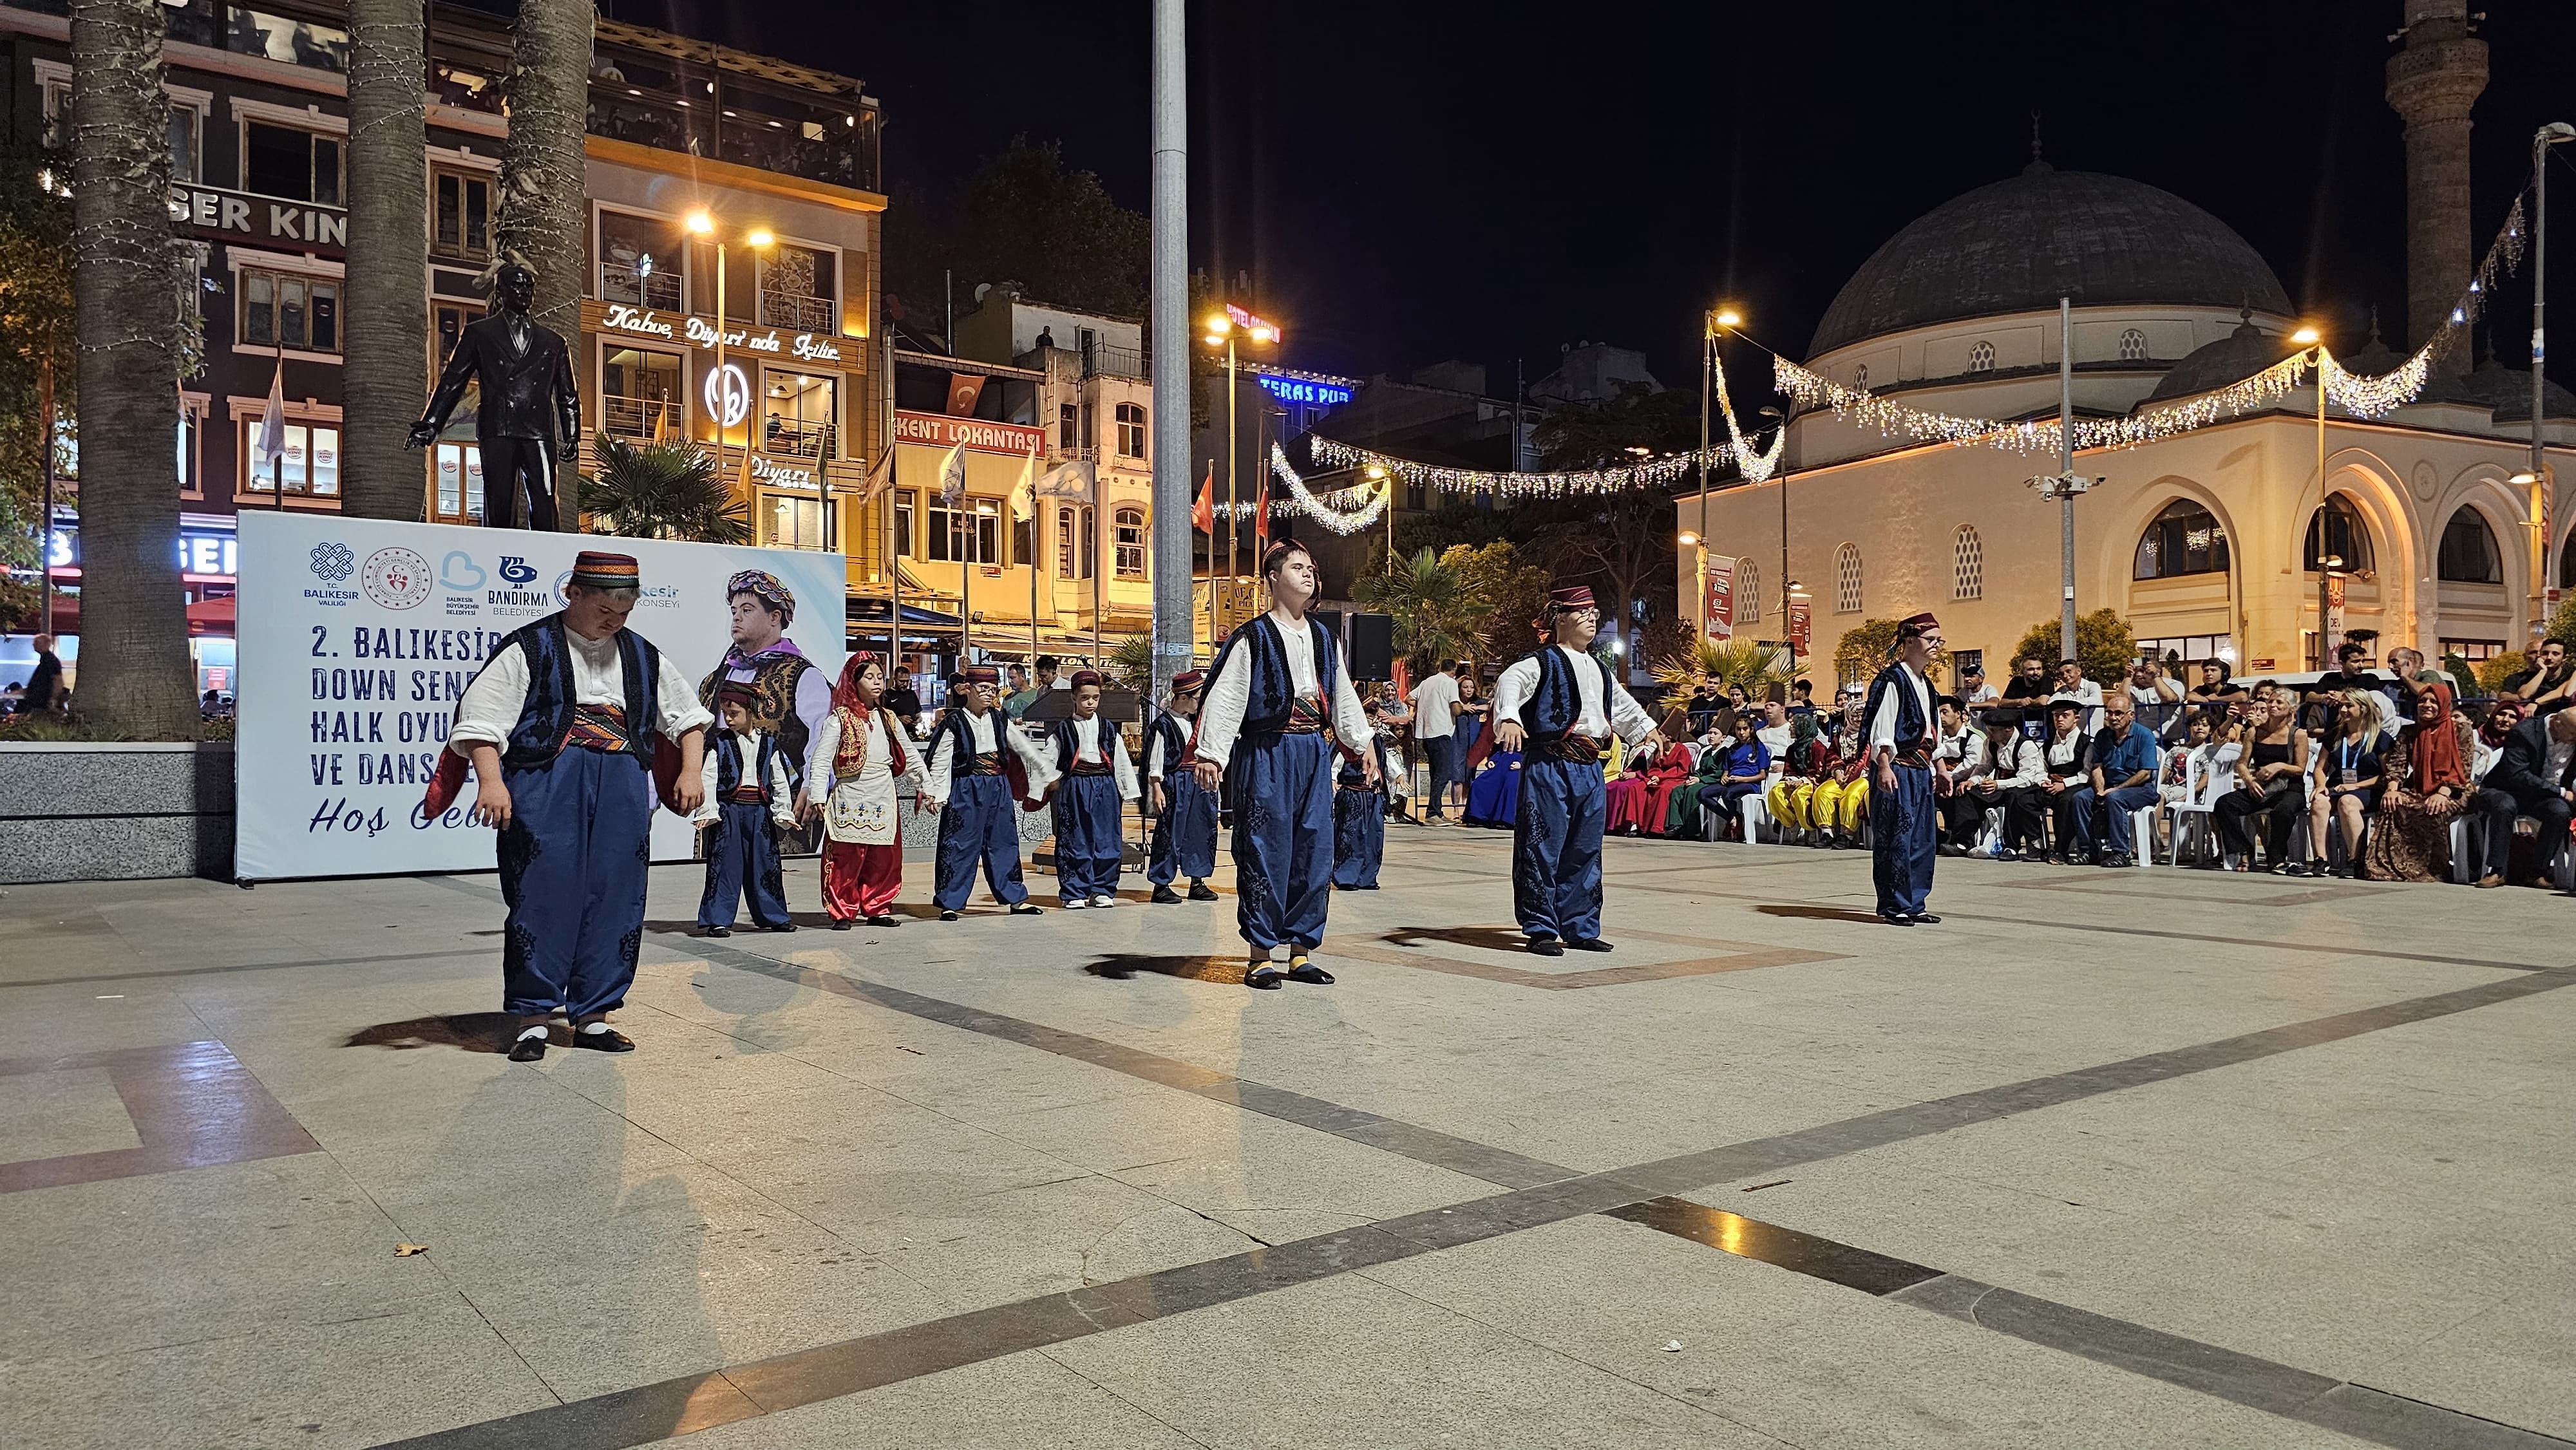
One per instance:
(1221,329)
(703,223)
(2327,564)
(1710,322)
(2547,136)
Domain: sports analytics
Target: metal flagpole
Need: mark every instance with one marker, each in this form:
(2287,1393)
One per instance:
(894,560)
(1170,348)
(2066,472)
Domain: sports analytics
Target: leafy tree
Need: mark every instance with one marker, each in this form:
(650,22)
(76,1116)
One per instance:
(544,211)
(2463,679)
(1740,662)
(1024,218)
(385,323)
(1131,664)
(2562,623)
(1451,522)
(36,348)
(662,491)
(2492,673)
(1867,647)
(1513,590)
(1435,616)
(1623,541)
(2104,645)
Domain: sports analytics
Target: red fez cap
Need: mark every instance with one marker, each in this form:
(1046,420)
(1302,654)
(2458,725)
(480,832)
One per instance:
(1188,680)
(1572,596)
(593,569)
(1087,677)
(1914,625)
(738,692)
(980,675)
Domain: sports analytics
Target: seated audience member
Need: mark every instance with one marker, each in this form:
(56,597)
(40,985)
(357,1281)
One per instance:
(2215,688)
(2158,698)
(1802,698)
(1625,800)
(2071,681)
(2348,767)
(2120,778)
(1831,809)
(1747,764)
(1974,692)
(2006,767)
(2486,747)
(1801,766)
(2271,777)
(2065,769)
(2173,782)
(1670,773)
(1956,739)
(1774,733)
(2406,670)
(2427,788)
(2029,687)
(2534,775)
(2549,676)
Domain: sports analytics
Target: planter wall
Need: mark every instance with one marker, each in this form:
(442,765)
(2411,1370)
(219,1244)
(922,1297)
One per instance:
(81,811)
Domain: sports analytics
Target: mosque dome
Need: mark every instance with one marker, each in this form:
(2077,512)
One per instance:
(2019,245)
(2231,359)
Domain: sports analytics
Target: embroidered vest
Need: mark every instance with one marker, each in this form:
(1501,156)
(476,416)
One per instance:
(1175,755)
(774,679)
(1273,696)
(1556,706)
(963,760)
(1067,746)
(546,719)
(1911,726)
(728,749)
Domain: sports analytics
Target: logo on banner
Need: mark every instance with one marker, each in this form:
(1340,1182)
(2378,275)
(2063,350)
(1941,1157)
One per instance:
(333,562)
(459,574)
(516,569)
(729,395)
(561,580)
(395,577)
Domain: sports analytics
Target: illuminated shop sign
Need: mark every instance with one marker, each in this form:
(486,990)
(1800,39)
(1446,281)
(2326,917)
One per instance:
(1304,390)
(202,554)
(642,322)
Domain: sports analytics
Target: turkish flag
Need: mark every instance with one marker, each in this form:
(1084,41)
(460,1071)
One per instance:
(965,390)
(1261,520)
(1203,514)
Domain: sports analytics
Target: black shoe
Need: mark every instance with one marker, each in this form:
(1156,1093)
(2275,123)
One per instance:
(948,916)
(2115,859)
(1025,908)
(610,1041)
(1302,970)
(528,1049)
(1165,896)
(1587,944)
(717,931)
(2006,853)
(1263,978)
(782,926)
(1201,891)
(1924,918)
(842,923)
(2288,868)
(2055,859)
(1546,946)
(1897,920)
(881,920)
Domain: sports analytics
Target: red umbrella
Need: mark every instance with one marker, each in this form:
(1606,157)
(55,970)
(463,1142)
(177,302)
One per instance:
(212,616)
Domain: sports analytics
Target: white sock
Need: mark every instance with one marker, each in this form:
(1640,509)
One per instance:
(593,1029)
(527,1032)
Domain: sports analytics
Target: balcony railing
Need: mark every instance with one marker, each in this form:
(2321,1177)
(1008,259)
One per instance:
(799,313)
(621,282)
(784,439)
(834,146)
(645,420)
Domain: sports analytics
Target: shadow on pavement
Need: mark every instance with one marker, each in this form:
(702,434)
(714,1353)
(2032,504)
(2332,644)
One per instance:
(1489,938)
(1820,913)
(1120,966)
(471,1031)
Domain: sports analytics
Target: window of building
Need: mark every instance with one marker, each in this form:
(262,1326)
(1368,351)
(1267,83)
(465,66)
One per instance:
(309,467)
(903,506)
(1131,543)
(187,120)
(446,328)
(2191,650)
(1981,358)
(2338,529)
(287,309)
(1068,427)
(1961,662)
(187,142)
(2475,651)
(970,533)
(641,262)
(2133,346)
(1967,564)
(1847,582)
(641,393)
(192,447)
(282,161)
(1860,377)
(1073,557)
(2184,539)
(797,289)
(2469,550)
(292,42)
(1131,430)
(791,521)
(460,214)
(1748,592)
(460,484)
(800,415)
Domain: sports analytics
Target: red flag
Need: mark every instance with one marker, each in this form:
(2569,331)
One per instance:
(965,390)
(1203,515)
(1261,521)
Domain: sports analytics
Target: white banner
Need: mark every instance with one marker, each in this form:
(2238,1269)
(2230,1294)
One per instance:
(357,635)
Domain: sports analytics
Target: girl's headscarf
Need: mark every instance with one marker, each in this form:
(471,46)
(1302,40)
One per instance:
(2436,747)
(853,754)
(846,693)
(2501,718)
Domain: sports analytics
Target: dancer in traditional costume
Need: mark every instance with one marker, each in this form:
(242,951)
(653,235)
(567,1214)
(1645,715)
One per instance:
(1359,809)
(1267,735)
(859,753)
(1903,736)
(560,726)
(979,764)
(1090,780)
(750,797)
(1184,814)
(1562,704)
(790,696)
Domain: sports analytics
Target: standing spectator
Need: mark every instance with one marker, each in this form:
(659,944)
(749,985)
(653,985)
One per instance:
(902,702)
(2158,697)
(2029,687)
(1974,692)
(2071,681)
(1748,762)
(2534,775)
(2406,667)
(46,683)
(2121,771)
(2548,678)
(2271,776)
(2346,788)
(2007,767)
(1435,724)
(1471,714)
(2066,766)
(2427,787)
(1018,704)
(1802,698)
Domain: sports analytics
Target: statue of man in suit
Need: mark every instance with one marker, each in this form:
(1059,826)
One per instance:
(529,402)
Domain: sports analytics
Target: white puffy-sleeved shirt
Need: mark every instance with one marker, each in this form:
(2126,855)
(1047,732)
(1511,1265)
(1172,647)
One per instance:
(1230,693)
(1094,740)
(1156,767)
(860,808)
(992,731)
(782,808)
(1882,723)
(1596,717)
(491,705)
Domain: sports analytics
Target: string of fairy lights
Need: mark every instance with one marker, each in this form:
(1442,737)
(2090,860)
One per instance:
(1344,511)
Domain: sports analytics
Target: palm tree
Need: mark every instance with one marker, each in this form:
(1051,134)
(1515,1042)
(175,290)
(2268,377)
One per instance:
(1437,617)
(1132,663)
(540,217)
(662,491)
(386,337)
(1739,662)
(134,672)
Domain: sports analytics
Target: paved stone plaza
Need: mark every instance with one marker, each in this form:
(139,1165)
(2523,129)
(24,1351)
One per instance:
(2137,1159)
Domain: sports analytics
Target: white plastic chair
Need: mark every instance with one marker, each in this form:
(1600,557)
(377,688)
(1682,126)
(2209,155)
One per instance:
(2198,805)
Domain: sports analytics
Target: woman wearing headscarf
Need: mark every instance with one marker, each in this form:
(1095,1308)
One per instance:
(1802,765)
(859,749)
(2427,784)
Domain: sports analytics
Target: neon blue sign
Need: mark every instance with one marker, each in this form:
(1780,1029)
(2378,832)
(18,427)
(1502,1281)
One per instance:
(1304,390)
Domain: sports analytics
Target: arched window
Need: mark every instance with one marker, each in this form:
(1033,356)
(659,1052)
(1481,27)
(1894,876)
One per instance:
(1073,542)
(1847,593)
(1748,592)
(2338,529)
(1131,543)
(1131,430)
(2567,565)
(1860,377)
(1967,564)
(1981,358)
(2469,550)
(2185,539)
(2133,346)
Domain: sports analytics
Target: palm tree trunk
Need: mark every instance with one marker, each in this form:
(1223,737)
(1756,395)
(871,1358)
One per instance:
(134,673)
(384,370)
(542,175)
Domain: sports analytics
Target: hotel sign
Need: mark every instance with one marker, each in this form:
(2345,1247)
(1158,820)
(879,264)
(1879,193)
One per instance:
(240,216)
(642,322)
(980,435)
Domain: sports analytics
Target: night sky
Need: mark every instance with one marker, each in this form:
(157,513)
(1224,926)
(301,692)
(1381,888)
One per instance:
(1423,179)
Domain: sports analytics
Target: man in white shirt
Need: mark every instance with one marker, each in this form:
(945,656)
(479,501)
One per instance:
(1435,724)
(1089,783)
(1903,737)
(567,778)
(1560,705)
(980,763)
(1279,697)
(1974,692)
(2071,681)
(1774,731)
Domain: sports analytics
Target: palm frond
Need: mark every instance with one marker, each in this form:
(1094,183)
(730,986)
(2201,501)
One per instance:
(1739,662)
(662,491)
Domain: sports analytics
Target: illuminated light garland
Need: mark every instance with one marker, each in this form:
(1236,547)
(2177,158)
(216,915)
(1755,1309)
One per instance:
(1345,511)
(1757,466)
(1618,478)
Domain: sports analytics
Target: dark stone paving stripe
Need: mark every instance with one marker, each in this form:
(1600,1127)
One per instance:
(1786,1248)
(253,967)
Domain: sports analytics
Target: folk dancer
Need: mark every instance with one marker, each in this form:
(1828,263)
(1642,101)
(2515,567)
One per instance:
(1902,739)
(1266,734)
(859,752)
(1089,782)
(1184,815)
(560,727)
(1560,706)
(979,761)
(1359,808)
(750,798)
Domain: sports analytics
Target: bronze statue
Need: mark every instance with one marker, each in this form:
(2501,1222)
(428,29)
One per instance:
(529,401)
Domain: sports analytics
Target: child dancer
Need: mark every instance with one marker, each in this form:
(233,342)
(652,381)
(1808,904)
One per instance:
(1089,784)
(749,793)
(1184,814)
(859,751)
